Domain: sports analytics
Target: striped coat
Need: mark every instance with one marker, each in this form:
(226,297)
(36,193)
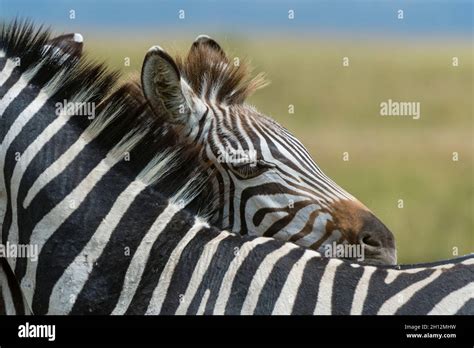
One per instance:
(120,223)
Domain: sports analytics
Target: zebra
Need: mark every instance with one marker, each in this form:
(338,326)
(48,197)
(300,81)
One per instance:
(123,227)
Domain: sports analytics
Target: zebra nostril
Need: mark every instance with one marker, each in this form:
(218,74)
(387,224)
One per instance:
(370,240)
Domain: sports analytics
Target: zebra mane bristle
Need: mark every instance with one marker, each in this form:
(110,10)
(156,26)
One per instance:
(211,74)
(123,120)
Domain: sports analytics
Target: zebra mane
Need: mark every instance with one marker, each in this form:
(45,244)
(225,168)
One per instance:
(123,123)
(440,263)
(210,72)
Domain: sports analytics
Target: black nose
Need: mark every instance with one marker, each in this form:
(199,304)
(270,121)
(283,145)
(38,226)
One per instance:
(378,241)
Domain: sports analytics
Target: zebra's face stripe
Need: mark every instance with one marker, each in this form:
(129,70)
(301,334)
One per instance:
(266,181)
(277,189)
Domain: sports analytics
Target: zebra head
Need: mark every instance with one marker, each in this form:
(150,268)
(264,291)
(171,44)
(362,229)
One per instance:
(265,179)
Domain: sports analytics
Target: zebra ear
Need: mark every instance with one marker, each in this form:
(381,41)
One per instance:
(71,43)
(204,41)
(161,83)
(65,46)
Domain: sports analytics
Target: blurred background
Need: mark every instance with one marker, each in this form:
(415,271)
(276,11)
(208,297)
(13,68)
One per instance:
(301,46)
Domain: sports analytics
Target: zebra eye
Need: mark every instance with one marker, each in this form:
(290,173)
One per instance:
(251,170)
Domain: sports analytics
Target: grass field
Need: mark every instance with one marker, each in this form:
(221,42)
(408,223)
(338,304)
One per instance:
(337,110)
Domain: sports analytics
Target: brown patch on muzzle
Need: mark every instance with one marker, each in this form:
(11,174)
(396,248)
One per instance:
(348,218)
(358,225)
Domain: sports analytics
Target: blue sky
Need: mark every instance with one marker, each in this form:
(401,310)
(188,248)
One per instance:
(379,17)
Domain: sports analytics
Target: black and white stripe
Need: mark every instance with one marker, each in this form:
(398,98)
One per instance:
(121,236)
(12,301)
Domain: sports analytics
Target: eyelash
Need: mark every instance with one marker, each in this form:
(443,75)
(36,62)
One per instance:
(248,171)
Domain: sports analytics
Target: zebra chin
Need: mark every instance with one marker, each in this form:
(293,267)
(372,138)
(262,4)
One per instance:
(369,255)
(385,256)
